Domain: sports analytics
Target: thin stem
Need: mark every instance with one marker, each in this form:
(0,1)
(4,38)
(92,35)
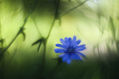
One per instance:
(56,14)
(79,5)
(43,58)
(0,30)
(1,39)
(37,28)
(18,33)
(51,28)
(21,29)
(44,54)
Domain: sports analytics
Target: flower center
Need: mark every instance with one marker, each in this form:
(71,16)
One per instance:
(70,50)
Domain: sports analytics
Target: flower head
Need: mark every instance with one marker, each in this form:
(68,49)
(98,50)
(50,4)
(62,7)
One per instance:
(70,49)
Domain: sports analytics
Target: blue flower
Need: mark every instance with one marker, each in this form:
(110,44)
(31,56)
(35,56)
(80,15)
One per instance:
(70,49)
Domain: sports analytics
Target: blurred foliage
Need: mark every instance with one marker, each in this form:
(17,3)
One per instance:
(29,30)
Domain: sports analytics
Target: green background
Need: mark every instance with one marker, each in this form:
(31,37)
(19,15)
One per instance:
(95,22)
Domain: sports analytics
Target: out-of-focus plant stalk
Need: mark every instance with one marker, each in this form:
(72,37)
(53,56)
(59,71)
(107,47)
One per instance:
(80,4)
(18,33)
(56,16)
(113,30)
(21,31)
(1,40)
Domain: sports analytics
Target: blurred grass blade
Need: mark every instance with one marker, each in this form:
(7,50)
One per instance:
(39,42)
(36,42)
(39,46)
(80,4)
(112,27)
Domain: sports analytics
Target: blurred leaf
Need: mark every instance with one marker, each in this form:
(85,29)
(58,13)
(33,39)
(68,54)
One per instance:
(70,10)
(39,46)
(1,41)
(39,42)
(60,21)
(24,35)
(29,5)
(22,32)
(112,27)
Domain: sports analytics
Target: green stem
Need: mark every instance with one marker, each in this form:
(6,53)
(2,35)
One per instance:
(15,37)
(57,3)
(56,16)
(37,29)
(21,29)
(74,8)
(18,33)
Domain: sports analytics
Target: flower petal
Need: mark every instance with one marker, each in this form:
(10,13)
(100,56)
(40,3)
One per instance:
(82,54)
(65,57)
(62,41)
(78,41)
(59,50)
(62,55)
(81,47)
(68,61)
(65,38)
(74,38)
(76,57)
(59,45)
(69,41)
